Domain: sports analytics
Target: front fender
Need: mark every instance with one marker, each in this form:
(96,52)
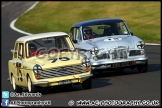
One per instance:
(136,39)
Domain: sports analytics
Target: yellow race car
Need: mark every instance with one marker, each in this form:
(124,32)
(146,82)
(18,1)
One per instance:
(47,60)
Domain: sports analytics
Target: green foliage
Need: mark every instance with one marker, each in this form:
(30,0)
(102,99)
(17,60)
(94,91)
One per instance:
(143,18)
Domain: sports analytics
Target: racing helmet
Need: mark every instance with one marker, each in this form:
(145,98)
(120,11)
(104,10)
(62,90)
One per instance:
(32,47)
(87,30)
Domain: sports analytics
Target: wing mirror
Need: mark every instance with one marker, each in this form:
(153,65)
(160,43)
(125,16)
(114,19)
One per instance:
(13,51)
(75,41)
(131,33)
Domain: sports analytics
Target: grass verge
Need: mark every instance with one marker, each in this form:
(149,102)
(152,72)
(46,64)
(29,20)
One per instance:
(142,18)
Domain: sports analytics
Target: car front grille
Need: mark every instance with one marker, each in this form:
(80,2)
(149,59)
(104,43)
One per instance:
(118,53)
(103,56)
(135,53)
(62,71)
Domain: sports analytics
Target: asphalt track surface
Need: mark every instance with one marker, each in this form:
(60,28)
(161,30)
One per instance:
(129,85)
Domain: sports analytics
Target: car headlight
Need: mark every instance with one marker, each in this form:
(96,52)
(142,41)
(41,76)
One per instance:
(142,52)
(95,58)
(86,62)
(140,44)
(37,68)
(94,50)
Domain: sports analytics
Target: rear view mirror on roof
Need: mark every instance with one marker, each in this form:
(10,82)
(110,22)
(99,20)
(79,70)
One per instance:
(103,27)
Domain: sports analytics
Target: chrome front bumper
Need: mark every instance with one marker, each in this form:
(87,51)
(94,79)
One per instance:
(46,82)
(106,63)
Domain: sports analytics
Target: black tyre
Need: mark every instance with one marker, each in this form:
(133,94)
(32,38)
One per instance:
(142,68)
(68,85)
(119,70)
(93,72)
(31,87)
(99,70)
(87,83)
(16,88)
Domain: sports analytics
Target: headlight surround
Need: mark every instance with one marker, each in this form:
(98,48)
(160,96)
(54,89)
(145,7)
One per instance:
(94,50)
(140,44)
(37,68)
(95,58)
(143,52)
(86,62)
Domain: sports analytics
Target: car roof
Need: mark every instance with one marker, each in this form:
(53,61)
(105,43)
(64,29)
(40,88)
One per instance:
(95,21)
(40,35)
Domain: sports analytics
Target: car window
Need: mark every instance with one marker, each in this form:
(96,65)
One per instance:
(15,53)
(21,49)
(104,29)
(46,45)
(75,34)
(122,28)
(61,43)
(78,35)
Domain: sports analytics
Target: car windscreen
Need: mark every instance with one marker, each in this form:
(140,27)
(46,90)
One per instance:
(46,45)
(104,29)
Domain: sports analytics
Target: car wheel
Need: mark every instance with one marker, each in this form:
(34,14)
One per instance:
(142,68)
(118,70)
(93,72)
(87,83)
(68,85)
(99,70)
(31,88)
(16,87)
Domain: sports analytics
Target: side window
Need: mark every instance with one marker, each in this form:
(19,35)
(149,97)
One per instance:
(72,32)
(78,35)
(75,34)
(21,49)
(15,53)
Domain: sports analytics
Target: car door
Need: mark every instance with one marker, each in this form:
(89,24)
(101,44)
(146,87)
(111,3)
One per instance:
(21,68)
(17,63)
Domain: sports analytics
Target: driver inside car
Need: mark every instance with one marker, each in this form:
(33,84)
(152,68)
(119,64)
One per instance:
(87,33)
(32,49)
